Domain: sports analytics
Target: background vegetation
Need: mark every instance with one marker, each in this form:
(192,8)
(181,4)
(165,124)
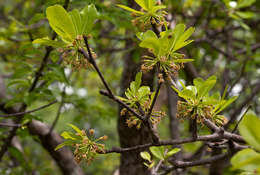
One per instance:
(226,44)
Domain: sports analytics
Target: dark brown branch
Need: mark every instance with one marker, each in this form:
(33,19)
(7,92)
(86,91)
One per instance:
(154,100)
(211,137)
(30,111)
(10,125)
(182,164)
(93,62)
(105,93)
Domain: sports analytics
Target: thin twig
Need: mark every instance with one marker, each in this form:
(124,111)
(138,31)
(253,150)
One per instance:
(30,111)
(154,100)
(105,93)
(10,125)
(235,128)
(211,137)
(182,164)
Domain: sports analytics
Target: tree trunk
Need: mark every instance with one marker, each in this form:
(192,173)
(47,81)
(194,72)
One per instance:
(131,163)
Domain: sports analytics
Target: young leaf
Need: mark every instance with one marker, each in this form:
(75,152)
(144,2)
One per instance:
(68,135)
(247,160)
(76,129)
(181,42)
(146,156)
(65,143)
(245,15)
(172,152)
(226,104)
(46,41)
(138,79)
(89,15)
(76,19)
(158,152)
(144,91)
(249,129)
(143,3)
(206,86)
(61,22)
(130,9)
(245,3)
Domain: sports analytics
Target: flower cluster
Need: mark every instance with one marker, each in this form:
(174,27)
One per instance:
(139,98)
(85,144)
(88,149)
(71,56)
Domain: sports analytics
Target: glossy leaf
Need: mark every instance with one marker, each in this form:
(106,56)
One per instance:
(172,152)
(130,9)
(249,129)
(61,22)
(158,152)
(146,156)
(46,41)
(88,16)
(247,160)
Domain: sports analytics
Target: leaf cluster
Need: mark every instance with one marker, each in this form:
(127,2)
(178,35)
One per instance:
(164,48)
(247,161)
(200,104)
(159,153)
(150,13)
(86,146)
(140,99)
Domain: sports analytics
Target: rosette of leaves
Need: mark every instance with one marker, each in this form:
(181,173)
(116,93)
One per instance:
(200,104)
(165,48)
(159,153)
(140,99)
(247,161)
(70,27)
(151,12)
(86,146)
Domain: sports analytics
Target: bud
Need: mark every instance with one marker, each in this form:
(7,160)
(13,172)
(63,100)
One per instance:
(104,137)
(91,131)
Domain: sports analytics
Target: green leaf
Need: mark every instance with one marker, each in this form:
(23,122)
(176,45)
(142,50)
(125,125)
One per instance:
(151,4)
(182,37)
(61,22)
(89,15)
(172,152)
(245,15)
(76,19)
(187,94)
(19,83)
(207,85)
(151,43)
(143,3)
(226,104)
(133,87)
(76,129)
(66,143)
(147,34)
(158,152)
(130,9)
(138,79)
(247,160)
(144,91)
(182,60)
(156,8)
(146,156)
(68,135)
(249,129)
(46,41)
(245,3)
